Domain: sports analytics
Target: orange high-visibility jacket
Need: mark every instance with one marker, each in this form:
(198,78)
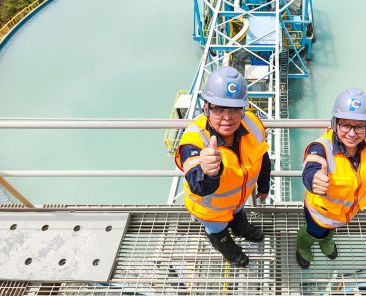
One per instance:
(239,176)
(347,188)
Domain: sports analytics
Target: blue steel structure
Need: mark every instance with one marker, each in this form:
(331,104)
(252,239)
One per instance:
(269,42)
(295,17)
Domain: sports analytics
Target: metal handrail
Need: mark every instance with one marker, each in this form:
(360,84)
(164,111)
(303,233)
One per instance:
(13,123)
(142,123)
(115,173)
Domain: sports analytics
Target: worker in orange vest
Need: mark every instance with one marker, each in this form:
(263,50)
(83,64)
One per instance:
(334,174)
(223,155)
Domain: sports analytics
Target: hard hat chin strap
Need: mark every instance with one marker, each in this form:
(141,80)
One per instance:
(207,112)
(334,123)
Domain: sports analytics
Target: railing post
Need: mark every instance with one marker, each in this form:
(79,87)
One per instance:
(254,199)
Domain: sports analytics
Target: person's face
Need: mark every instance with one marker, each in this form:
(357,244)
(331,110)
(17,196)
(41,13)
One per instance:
(224,120)
(351,132)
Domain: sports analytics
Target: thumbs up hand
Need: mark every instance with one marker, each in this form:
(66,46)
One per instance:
(210,158)
(321,180)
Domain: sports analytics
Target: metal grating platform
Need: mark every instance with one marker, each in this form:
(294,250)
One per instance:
(165,253)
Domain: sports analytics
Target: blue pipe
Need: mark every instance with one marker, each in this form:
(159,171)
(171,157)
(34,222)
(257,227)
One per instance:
(197,21)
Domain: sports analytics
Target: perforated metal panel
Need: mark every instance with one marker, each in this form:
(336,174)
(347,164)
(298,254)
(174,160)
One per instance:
(59,246)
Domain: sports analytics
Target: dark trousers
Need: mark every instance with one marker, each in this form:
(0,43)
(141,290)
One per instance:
(313,228)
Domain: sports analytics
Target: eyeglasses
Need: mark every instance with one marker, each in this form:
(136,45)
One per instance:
(346,127)
(233,112)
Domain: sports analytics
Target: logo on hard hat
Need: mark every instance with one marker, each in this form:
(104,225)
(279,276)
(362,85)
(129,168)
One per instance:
(231,89)
(354,105)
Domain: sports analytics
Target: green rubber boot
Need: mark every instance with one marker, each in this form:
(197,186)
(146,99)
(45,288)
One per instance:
(304,242)
(328,246)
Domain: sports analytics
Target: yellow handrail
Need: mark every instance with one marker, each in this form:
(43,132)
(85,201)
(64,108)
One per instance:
(18,17)
(15,193)
(171,140)
(296,37)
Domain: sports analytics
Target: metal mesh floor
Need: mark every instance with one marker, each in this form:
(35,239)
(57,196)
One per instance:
(165,253)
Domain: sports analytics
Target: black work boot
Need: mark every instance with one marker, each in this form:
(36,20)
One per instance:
(224,243)
(242,228)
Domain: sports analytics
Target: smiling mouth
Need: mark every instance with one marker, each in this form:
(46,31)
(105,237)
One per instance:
(352,140)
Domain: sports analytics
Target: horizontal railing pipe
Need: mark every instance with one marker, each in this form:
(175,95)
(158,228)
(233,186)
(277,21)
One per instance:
(142,123)
(114,173)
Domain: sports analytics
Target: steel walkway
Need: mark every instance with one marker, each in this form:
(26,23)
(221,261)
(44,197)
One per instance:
(164,252)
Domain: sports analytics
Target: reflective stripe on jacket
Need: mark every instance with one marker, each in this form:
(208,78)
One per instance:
(239,176)
(346,192)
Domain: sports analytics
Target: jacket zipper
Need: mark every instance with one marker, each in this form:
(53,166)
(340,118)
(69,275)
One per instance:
(355,200)
(245,176)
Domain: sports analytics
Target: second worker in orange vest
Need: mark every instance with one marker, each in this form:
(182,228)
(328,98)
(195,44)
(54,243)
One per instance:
(334,175)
